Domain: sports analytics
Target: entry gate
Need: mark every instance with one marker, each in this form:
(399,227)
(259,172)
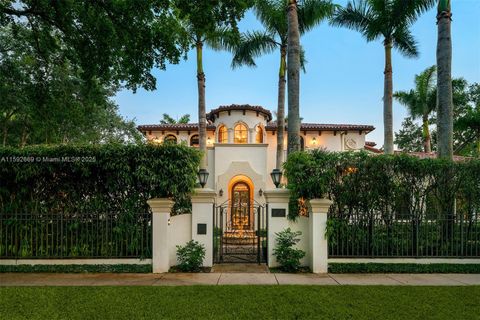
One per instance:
(240,233)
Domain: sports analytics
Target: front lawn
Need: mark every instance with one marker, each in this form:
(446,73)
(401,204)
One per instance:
(240,302)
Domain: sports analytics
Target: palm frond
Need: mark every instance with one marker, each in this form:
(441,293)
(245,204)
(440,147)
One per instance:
(303,60)
(223,38)
(272,15)
(409,99)
(408,11)
(358,16)
(425,83)
(404,41)
(251,46)
(312,12)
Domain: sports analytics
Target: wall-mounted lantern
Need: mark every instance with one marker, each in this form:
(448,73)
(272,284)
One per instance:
(276,177)
(203,177)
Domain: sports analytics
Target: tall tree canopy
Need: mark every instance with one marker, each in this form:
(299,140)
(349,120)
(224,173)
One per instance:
(111,40)
(44,99)
(390,21)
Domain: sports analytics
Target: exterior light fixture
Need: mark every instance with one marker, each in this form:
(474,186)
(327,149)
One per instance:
(260,192)
(209,141)
(203,177)
(314,141)
(220,193)
(276,177)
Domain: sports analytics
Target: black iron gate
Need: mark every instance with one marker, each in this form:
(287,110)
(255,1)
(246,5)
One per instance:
(240,233)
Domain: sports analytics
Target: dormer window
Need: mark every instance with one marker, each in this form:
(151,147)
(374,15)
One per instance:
(258,134)
(240,133)
(222,134)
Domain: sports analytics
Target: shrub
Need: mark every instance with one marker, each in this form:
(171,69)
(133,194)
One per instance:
(190,256)
(45,190)
(287,256)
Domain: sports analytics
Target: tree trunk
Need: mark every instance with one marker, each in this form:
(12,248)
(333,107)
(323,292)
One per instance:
(387,99)
(427,140)
(202,117)
(444,84)
(281,107)
(293,67)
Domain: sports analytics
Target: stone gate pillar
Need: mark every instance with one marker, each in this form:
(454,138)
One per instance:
(161,214)
(202,221)
(318,240)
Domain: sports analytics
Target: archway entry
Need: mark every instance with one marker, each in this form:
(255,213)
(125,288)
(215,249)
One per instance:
(240,233)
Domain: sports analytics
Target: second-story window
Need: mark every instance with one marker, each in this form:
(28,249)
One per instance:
(258,134)
(170,139)
(240,133)
(194,141)
(222,134)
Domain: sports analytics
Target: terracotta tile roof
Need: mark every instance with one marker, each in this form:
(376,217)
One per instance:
(327,127)
(372,149)
(432,155)
(241,107)
(370,143)
(172,127)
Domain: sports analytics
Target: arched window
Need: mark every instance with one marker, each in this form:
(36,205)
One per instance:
(194,141)
(170,139)
(240,133)
(302,144)
(222,135)
(258,134)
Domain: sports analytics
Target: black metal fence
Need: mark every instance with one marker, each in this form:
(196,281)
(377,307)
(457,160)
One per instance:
(78,235)
(373,236)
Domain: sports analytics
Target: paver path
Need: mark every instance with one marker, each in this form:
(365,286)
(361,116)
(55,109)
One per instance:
(180,279)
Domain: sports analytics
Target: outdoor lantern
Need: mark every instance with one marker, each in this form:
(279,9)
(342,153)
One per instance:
(314,141)
(203,177)
(276,177)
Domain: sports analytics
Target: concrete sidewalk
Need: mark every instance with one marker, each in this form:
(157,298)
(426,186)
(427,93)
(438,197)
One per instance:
(184,279)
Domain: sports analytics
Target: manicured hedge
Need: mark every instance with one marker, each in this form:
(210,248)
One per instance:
(78,268)
(88,201)
(391,206)
(94,178)
(402,268)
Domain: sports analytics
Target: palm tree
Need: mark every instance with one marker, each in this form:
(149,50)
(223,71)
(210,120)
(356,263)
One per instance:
(444,82)
(293,77)
(275,37)
(167,119)
(389,20)
(421,101)
(212,23)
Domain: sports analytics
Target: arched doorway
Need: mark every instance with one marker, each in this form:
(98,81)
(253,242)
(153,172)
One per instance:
(240,207)
(240,225)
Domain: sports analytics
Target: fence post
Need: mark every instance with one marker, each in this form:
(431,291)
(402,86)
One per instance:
(202,221)
(161,214)
(318,240)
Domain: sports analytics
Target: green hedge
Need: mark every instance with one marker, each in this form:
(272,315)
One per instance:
(88,201)
(391,206)
(402,268)
(78,268)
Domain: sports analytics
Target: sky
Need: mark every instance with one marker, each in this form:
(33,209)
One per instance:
(343,82)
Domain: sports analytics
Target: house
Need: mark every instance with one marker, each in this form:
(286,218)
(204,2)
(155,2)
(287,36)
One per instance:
(241,154)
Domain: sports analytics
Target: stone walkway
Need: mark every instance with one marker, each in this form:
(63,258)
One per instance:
(181,279)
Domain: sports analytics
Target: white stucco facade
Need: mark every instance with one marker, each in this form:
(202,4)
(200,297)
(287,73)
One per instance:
(253,156)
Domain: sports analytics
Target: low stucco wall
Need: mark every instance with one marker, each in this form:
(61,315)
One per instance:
(279,224)
(179,233)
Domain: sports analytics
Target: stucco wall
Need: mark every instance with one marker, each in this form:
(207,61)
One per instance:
(179,233)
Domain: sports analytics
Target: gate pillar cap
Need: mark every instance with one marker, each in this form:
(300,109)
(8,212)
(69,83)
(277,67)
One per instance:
(160,205)
(277,195)
(205,195)
(320,205)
